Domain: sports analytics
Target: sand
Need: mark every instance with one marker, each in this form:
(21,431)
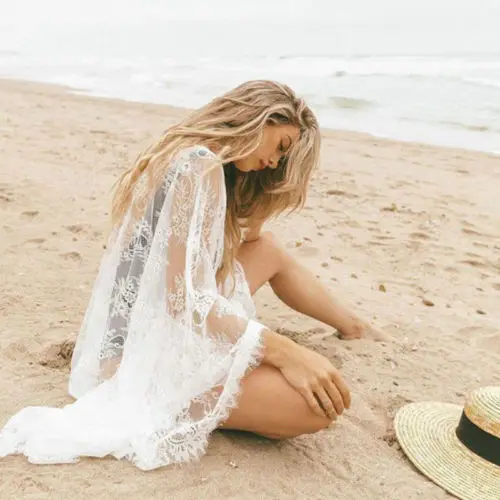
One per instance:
(408,234)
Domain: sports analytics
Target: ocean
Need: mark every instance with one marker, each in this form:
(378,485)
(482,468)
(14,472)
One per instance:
(426,71)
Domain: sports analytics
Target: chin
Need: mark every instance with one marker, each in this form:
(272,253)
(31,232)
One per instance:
(244,167)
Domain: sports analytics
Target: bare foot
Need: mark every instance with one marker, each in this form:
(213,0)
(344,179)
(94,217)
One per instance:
(364,330)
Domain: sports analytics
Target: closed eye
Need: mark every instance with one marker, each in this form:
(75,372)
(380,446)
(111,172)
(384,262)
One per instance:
(283,148)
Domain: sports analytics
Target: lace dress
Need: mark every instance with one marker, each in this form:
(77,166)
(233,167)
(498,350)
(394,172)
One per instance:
(162,348)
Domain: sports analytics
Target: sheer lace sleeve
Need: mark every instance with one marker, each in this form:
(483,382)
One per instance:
(161,351)
(194,253)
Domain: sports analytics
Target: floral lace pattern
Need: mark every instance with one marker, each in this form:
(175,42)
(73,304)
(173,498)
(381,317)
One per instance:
(162,347)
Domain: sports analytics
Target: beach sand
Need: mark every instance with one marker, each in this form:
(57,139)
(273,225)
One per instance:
(408,234)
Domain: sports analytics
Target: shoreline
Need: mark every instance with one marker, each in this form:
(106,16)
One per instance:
(326,131)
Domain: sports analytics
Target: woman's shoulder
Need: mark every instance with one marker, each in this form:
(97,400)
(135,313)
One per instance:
(195,160)
(196,153)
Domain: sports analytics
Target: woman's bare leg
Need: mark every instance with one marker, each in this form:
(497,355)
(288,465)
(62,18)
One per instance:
(266,260)
(268,405)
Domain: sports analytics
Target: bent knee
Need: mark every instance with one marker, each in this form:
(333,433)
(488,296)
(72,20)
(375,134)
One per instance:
(266,248)
(271,244)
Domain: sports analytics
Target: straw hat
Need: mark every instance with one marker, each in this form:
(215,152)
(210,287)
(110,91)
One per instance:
(458,448)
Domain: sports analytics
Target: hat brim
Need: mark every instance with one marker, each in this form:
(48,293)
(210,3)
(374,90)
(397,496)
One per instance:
(426,432)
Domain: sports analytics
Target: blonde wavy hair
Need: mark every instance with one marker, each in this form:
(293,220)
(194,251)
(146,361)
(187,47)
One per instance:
(232,126)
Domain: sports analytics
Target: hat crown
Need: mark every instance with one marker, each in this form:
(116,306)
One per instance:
(483,409)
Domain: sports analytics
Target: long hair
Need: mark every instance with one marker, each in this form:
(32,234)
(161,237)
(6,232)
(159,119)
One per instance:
(232,126)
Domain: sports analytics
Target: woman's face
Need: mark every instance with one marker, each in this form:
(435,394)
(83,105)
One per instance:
(276,142)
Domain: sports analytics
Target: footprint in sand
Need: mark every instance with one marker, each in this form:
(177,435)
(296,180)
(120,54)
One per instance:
(473,255)
(30,213)
(454,199)
(474,263)
(6,196)
(401,184)
(15,351)
(373,243)
(428,264)
(76,228)
(36,241)
(470,231)
(486,338)
(341,192)
(76,256)
(478,244)
(298,337)
(418,235)
(383,237)
(331,210)
(58,355)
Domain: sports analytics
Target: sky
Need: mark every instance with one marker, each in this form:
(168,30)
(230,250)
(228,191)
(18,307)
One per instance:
(349,27)
(482,12)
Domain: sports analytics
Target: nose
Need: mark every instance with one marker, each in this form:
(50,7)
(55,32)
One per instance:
(272,163)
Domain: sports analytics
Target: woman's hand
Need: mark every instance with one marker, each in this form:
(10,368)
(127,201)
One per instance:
(361,329)
(310,373)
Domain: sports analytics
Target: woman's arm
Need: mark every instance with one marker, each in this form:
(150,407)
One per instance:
(194,237)
(310,373)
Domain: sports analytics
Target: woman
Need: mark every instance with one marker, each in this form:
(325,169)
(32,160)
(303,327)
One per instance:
(169,349)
